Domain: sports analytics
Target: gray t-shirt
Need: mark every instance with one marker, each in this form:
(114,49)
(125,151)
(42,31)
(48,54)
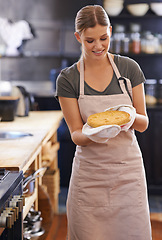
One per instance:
(68,81)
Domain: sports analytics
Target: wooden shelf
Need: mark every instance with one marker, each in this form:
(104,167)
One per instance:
(44,55)
(29,202)
(129,54)
(125,14)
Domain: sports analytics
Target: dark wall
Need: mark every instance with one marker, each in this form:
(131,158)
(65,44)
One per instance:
(68,9)
(42,9)
(53,24)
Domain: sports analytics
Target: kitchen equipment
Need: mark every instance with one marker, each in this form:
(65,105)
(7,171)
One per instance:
(31,173)
(156,7)
(29,182)
(139,9)
(29,186)
(11,205)
(27,229)
(35,235)
(24,100)
(8,107)
(26,238)
(13,135)
(34,220)
(36,224)
(33,215)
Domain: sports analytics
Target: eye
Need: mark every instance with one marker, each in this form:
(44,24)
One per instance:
(103,39)
(89,41)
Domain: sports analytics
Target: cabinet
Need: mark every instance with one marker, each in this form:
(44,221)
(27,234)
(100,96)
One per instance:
(150,63)
(30,153)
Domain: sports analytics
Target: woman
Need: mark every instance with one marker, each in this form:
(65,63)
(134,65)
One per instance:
(107,197)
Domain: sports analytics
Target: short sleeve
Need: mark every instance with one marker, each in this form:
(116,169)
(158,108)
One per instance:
(65,86)
(135,73)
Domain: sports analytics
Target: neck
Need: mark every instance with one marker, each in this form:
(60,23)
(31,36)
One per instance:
(91,63)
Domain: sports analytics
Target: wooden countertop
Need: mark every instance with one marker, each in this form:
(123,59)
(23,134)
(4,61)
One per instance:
(16,154)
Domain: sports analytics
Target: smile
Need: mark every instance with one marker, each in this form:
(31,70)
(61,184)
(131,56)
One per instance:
(98,52)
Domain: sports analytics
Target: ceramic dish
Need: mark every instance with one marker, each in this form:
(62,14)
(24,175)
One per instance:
(139,9)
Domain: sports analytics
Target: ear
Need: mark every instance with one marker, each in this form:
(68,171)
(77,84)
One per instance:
(77,37)
(110,30)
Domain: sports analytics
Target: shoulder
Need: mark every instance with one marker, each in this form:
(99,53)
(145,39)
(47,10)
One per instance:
(69,72)
(130,69)
(125,62)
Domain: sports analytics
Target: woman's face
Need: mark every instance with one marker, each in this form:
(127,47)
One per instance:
(95,41)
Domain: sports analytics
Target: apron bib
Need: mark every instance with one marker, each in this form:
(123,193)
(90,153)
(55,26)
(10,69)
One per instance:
(107,198)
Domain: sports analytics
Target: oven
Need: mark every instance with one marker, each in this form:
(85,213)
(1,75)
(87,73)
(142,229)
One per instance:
(11,205)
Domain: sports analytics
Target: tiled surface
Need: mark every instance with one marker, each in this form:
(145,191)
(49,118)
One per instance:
(155,202)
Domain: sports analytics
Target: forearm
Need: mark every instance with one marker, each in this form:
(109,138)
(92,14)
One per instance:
(141,123)
(80,139)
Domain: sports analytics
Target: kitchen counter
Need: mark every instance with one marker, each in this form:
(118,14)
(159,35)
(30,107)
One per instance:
(27,153)
(16,153)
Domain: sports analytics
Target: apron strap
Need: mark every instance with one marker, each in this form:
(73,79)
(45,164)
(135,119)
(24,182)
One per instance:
(81,77)
(126,87)
(114,66)
(129,86)
(122,80)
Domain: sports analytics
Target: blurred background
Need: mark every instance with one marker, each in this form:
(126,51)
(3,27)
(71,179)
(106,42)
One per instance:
(43,42)
(37,41)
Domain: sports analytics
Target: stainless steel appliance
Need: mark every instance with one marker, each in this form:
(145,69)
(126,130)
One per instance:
(11,205)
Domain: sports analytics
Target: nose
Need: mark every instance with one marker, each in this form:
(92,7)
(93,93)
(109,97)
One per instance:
(98,44)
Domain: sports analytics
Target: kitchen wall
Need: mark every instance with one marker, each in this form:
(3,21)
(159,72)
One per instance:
(53,25)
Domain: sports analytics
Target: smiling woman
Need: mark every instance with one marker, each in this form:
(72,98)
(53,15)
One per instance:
(107,193)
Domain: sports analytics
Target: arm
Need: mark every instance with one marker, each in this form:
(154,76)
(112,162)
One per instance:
(74,121)
(141,121)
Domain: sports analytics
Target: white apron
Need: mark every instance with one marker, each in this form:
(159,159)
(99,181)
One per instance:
(107,198)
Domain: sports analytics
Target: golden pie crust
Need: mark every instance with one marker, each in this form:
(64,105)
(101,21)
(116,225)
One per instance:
(110,117)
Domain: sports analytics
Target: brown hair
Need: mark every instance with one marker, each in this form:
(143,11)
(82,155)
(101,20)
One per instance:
(89,16)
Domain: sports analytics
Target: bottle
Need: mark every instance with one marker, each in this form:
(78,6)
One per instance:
(135,45)
(125,44)
(118,36)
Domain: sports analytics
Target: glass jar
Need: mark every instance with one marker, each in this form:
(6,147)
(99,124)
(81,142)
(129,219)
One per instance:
(135,43)
(125,44)
(118,36)
(135,36)
(151,91)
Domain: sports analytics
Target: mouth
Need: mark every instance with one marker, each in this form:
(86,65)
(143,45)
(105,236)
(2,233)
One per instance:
(98,52)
